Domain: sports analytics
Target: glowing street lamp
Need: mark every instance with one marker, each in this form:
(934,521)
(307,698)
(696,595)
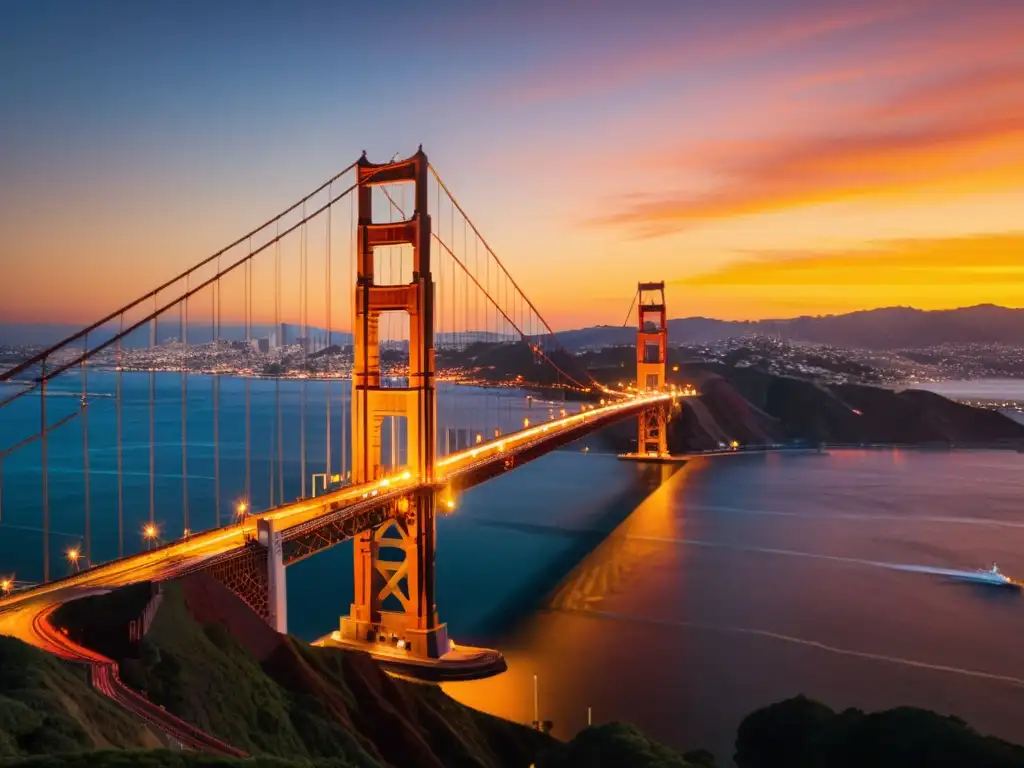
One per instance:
(5,586)
(241,508)
(74,556)
(149,533)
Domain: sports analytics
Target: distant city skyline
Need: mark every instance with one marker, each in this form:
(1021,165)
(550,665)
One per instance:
(765,159)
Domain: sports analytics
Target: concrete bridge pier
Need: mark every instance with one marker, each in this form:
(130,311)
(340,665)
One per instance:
(277,592)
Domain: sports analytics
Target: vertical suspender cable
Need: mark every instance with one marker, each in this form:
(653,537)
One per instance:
(351,286)
(330,326)
(184,405)
(465,282)
(85,452)
(272,472)
(248,347)
(277,376)
(455,285)
(152,421)
(215,315)
(120,454)
(45,472)
(303,308)
(438,319)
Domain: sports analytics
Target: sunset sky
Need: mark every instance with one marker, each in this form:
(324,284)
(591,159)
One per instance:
(766,158)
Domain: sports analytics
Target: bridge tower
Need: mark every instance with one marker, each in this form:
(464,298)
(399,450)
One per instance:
(651,356)
(395,597)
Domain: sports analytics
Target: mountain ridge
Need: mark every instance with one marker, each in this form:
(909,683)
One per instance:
(882,328)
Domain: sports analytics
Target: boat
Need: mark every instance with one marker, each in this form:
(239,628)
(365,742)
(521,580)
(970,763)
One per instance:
(993,576)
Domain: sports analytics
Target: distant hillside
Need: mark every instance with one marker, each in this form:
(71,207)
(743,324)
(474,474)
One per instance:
(890,328)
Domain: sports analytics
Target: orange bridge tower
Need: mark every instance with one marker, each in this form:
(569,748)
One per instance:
(651,356)
(395,596)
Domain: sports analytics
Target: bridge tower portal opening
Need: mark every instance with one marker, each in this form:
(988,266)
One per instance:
(651,357)
(394,600)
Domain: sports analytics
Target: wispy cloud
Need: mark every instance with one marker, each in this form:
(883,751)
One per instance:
(601,71)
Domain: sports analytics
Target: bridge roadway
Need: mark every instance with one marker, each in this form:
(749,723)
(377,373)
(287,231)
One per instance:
(19,611)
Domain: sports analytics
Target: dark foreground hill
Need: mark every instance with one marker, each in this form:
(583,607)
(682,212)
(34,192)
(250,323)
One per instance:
(800,733)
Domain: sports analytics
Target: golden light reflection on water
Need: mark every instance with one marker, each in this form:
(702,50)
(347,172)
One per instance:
(553,642)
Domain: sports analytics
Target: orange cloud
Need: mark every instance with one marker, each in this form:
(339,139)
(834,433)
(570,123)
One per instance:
(929,138)
(962,262)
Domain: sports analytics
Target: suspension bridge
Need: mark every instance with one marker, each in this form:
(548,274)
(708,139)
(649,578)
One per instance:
(231,424)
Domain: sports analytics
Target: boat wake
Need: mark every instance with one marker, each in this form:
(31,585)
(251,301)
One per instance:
(991,576)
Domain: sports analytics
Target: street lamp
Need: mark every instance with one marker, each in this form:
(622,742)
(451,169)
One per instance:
(73,556)
(241,508)
(5,586)
(149,533)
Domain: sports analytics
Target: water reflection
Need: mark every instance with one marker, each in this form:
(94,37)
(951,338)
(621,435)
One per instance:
(746,581)
(565,664)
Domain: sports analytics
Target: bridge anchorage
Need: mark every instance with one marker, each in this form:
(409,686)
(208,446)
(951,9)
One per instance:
(651,363)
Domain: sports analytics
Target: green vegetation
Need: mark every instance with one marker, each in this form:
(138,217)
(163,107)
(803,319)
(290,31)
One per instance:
(312,703)
(801,733)
(47,705)
(206,677)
